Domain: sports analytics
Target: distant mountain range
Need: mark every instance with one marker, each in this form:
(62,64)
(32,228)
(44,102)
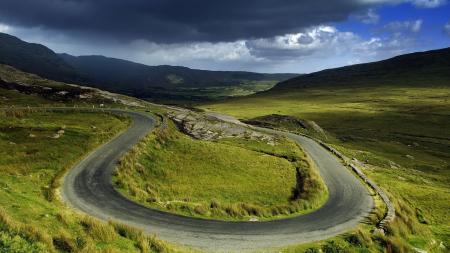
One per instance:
(125,75)
(422,68)
(36,59)
(182,83)
(115,74)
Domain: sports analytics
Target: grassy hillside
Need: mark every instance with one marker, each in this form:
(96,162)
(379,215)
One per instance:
(416,69)
(36,149)
(399,134)
(232,179)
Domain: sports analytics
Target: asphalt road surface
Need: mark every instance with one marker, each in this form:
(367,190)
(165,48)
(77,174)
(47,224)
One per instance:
(88,188)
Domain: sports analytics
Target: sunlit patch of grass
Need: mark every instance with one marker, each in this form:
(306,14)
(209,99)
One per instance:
(32,159)
(232,179)
(399,134)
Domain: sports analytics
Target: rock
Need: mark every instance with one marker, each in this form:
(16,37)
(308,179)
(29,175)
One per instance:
(56,136)
(378,231)
(253,219)
(409,157)
(420,250)
(207,127)
(315,127)
(31,135)
(12,143)
(60,132)
(393,165)
(85,96)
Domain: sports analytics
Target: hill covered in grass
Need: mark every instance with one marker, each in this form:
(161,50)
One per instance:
(398,134)
(416,69)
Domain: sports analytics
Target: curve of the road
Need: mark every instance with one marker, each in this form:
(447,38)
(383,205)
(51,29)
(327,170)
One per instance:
(88,188)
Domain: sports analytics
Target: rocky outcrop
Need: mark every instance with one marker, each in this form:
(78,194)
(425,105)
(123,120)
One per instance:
(206,127)
(286,123)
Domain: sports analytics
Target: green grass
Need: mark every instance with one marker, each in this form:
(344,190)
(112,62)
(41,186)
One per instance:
(232,179)
(11,97)
(187,96)
(401,134)
(30,160)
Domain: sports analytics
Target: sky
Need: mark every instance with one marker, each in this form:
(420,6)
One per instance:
(272,36)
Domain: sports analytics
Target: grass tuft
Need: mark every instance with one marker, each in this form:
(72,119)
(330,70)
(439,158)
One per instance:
(98,230)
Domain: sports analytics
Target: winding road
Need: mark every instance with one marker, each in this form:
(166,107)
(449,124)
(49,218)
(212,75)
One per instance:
(88,188)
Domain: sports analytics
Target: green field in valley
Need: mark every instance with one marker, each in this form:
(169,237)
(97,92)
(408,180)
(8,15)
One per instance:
(399,135)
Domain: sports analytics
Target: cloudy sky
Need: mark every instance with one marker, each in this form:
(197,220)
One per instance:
(255,35)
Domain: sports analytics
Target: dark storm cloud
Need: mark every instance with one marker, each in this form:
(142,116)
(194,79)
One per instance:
(169,21)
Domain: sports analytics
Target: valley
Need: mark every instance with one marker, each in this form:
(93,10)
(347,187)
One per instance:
(99,154)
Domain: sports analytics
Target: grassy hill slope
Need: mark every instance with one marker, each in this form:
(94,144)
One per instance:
(416,69)
(36,148)
(391,117)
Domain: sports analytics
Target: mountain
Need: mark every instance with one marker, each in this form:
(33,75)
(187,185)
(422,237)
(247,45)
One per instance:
(153,82)
(422,68)
(36,59)
(122,75)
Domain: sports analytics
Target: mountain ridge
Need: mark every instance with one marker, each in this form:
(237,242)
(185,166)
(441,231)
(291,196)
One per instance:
(419,68)
(114,74)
